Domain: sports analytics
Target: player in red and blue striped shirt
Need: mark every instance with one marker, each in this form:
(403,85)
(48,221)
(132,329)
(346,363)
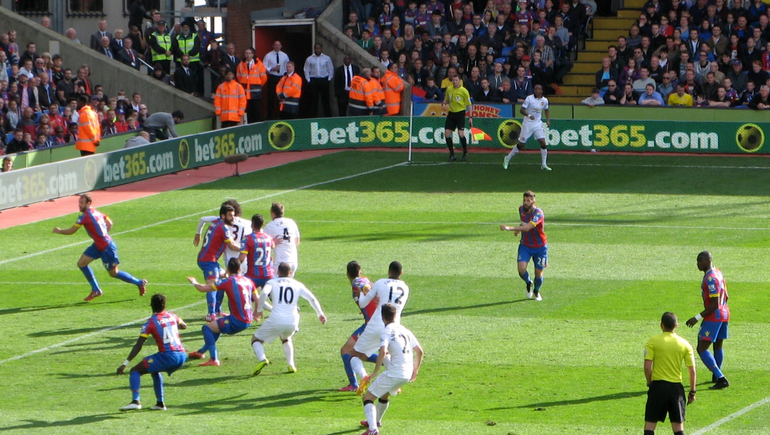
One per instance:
(98,226)
(533,245)
(164,327)
(360,286)
(715,316)
(215,241)
(240,294)
(257,248)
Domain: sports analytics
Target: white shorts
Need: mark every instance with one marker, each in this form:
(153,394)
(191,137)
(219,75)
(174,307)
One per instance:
(369,341)
(529,129)
(269,331)
(385,384)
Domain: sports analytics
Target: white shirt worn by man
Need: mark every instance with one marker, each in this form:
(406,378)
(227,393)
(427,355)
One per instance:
(274,58)
(319,66)
(535,107)
(285,293)
(239,229)
(399,342)
(287,231)
(389,290)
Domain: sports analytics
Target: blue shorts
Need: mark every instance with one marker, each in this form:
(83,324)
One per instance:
(230,325)
(539,256)
(357,333)
(712,331)
(259,283)
(210,269)
(168,362)
(109,256)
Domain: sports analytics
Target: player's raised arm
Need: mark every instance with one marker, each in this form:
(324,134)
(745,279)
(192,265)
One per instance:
(68,231)
(134,352)
(367,297)
(201,223)
(519,228)
(203,288)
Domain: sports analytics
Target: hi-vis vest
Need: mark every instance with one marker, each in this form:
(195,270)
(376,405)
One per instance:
(252,79)
(89,130)
(291,87)
(361,94)
(393,86)
(164,41)
(230,101)
(186,45)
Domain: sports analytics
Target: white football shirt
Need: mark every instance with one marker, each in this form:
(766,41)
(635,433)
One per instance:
(399,342)
(393,291)
(238,230)
(285,293)
(285,229)
(535,107)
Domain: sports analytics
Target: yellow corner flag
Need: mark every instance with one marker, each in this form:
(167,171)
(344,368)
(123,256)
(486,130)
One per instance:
(479,134)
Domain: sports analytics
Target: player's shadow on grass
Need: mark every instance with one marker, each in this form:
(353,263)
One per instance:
(51,307)
(245,402)
(466,307)
(77,421)
(616,396)
(73,331)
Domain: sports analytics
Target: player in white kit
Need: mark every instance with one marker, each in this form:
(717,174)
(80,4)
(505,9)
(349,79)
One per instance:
(286,235)
(405,359)
(284,319)
(532,125)
(388,290)
(239,229)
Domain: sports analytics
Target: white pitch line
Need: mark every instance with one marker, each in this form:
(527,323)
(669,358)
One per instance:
(732,416)
(152,284)
(83,337)
(550,224)
(309,186)
(609,165)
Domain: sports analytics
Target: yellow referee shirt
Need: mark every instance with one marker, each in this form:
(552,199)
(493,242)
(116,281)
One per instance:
(667,351)
(458,98)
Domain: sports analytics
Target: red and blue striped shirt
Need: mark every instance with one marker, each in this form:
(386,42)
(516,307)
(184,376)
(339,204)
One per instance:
(258,247)
(164,328)
(534,238)
(95,223)
(714,286)
(217,236)
(358,290)
(239,290)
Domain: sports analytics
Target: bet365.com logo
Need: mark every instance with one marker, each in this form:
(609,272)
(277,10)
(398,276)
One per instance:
(281,136)
(750,138)
(508,132)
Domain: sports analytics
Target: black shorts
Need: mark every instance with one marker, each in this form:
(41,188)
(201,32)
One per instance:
(665,398)
(455,120)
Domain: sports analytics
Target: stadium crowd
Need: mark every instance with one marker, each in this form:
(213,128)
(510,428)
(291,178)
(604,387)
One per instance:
(690,53)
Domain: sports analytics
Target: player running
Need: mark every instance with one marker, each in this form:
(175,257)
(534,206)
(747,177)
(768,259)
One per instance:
(286,235)
(256,253)
(532,109)
(284,319)
(387,290)
(217,238)
(361,286)
(533,245)
(240,292)
(98,227)
(713,328)
(405,359)
(164,327)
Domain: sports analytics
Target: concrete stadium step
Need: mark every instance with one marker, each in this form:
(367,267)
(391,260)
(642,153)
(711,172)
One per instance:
(600,44)
(564,99)
(629,13)
(576,90)
(580,79)
(611,23)
(609,34)
(634,4)
(591,56)
(585,68)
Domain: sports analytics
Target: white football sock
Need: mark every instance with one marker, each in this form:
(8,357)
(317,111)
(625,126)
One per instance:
(370,411)
(543,156)
(288,350)
(358,367)
(381,408)
(513,152)
(259,350)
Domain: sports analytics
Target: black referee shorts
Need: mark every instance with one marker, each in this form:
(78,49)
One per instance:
(665,398)
(455,120)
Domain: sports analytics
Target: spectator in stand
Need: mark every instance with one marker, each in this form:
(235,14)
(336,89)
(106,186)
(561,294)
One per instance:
(730,92)
(691,86)
(160,47)
(117,43)
(72,35)
(433,92)
(27,122)
(137,14)
(680,98)
(507,95)
(720,99)
(614,94)
(640,85)
(138,41)
(761,101)
(628,98)
(184,78)
(634,38)
(44,141)
(17,145)
(30,54)
(667,86)
(354,24)
(142,138)
(718,44)
(121,125)
(710,86)
(96,37)
(13,114)
(161,125)
(158,73)
(7,164)
(651,97)
(607,73)
(127,55)
(486,94)
(739,77)
(594,99)
(521,85)
(757,74)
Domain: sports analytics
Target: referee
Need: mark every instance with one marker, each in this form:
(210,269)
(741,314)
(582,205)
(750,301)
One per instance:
(663,357)
(458,99)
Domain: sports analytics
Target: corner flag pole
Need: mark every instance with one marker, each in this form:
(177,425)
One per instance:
(411,120)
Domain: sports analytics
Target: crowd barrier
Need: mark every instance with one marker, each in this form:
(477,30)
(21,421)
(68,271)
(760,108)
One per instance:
(39,183)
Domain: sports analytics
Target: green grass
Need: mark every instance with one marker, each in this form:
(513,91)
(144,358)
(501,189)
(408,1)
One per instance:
(623,233)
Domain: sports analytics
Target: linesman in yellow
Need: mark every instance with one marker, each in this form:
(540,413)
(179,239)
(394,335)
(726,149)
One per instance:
(663,358)
(288,90)
(252,75)
(393,86)
(160,46)
(456,99)
(361,98)
(378,94)
(230,101)
(188,42)
(89,128)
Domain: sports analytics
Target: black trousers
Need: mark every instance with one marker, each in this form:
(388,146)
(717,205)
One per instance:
(226,124)
(319,87)
(272,98)
(252,110)
(342,104)
(288,115)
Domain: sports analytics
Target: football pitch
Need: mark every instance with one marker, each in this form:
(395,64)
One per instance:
(623,234)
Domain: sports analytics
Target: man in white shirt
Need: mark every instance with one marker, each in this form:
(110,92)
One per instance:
(284,317)
(275,64)
(389,290)
(532,109)
(319,72)
(402,346)
(286,235)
